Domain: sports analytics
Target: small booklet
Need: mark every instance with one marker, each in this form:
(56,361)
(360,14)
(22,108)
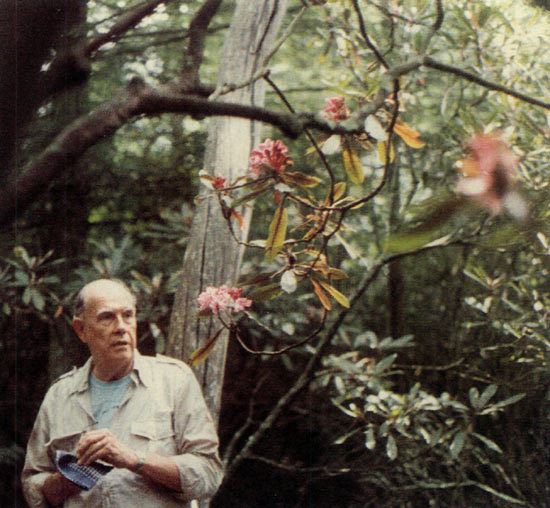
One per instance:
(83,476)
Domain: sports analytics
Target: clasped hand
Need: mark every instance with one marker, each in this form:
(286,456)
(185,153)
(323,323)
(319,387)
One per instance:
(102,445)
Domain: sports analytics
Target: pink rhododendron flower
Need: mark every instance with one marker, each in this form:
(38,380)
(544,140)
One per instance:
(269,154)
(490,171)
(218,182)
(223,299)
(336,110)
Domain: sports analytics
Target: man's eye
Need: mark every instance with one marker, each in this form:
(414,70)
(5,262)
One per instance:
(128,315)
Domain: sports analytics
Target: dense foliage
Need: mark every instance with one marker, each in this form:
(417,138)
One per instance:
(424,379)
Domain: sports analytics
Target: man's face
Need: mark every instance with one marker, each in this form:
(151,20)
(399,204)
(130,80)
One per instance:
(108,327)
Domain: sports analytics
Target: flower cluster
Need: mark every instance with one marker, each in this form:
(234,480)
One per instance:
(269,155)
(490,172)
(222,299)
(218,182)
(336,110)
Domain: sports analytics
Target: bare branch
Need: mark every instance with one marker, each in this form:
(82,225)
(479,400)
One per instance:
(474,78)
(195,50)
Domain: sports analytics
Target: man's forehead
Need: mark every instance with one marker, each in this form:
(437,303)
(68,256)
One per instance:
(109,296)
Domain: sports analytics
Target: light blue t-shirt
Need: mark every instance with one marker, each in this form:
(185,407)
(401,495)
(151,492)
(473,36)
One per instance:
(106,398)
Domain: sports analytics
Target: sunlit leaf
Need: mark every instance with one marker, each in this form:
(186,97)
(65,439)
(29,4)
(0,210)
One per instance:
(382,150)
(351,163)
(370,440)
(323,297)
(288,282)
(391,448)
(488,442)
(331,145)
(408,135)
(374,128)
(277,234)
(199,355)
(339,297)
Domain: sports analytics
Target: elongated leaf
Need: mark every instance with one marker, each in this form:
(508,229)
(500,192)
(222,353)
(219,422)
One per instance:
(266,292)
(323,297)
(457,444)
(408,135)
(199,355)
(510,400)
(339,297)
(474,397)
(277,234)
(384,363)
(488,442)
(301,179)
(352,163)
(382,149)
(339,190)
(370,440)
(249,197)
(391,448)
(487,394)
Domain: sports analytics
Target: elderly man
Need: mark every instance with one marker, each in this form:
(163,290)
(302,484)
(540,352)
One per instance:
(145,416)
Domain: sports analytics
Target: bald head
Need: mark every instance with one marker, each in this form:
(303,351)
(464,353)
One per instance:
(97,288)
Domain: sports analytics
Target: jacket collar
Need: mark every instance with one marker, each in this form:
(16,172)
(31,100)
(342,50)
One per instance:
(141,373)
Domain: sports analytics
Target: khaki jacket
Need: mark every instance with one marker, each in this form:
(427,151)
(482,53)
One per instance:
(163,412)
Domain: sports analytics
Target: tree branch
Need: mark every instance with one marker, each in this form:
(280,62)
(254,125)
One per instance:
(195,50)
(474,78)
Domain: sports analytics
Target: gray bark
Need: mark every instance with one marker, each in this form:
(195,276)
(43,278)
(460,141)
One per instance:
(213,257)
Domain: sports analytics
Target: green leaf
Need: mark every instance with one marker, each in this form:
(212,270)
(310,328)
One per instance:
(339,297)
(277,234)
(510,400)
(487,394)
(384,364)
(37,300)
(370,440)
(391,448)
(249,197)
(474,397)
(488,442)
(266,292)
(457,444)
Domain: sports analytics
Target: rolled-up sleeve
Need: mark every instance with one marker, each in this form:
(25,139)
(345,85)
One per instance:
(199,465)
(38,466)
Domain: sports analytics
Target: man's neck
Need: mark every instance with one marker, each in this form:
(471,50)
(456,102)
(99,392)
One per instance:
(108,373)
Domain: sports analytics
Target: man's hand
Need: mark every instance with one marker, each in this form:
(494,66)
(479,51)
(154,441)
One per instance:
(57,488)
(102,445)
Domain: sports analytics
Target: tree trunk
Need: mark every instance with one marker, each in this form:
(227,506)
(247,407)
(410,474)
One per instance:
(213,257)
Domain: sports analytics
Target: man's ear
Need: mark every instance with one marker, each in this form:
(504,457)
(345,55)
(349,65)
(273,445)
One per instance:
(78,325)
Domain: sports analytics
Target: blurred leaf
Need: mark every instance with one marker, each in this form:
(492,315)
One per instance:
(487,394)
(457,443)
(267,292)
(352,164)
(391,448)
(325,300)
(339,297)
(408,134)
(487,442)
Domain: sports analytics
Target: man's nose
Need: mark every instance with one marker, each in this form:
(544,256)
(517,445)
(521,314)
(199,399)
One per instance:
(120,323)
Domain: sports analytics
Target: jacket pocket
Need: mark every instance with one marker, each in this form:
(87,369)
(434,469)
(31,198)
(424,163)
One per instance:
(155,435)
